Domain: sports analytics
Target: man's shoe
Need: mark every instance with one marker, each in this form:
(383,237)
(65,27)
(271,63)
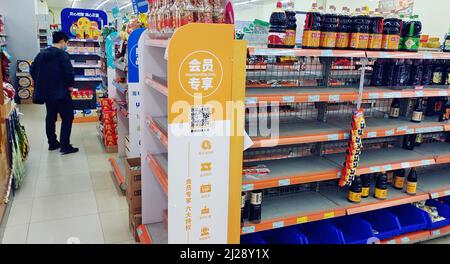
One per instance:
(69,150)
(54,146)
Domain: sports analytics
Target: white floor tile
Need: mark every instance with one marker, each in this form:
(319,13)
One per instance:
(115,226)
(20,213)
(85,229)
(28,188)
(15,234)
(63,206)
(110,200)
(102,180)
(66,184)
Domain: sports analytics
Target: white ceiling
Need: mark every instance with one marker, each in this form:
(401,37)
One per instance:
(87,4)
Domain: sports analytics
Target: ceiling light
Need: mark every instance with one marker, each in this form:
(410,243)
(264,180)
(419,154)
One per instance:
(102,4)
(124,6)
(73,3)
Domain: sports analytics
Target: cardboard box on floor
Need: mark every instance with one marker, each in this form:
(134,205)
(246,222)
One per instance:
(135,221)
(134,185)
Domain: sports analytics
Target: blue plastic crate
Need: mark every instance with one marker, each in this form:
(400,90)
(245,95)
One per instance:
(288,235)
(446,200)
(355,229)
(411,218)
(444,211)
(322,232)
(253,239)
(384,222)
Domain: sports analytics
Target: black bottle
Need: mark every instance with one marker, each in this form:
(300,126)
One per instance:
(399,179)
(355,191)
(411,182)
(435,106)
(381,191)
(377,74)
(444,115)
(255,206)
(409,141)
(388,73)
(438,74)
(417,114)
(365,183)
(400,73)
(427,76)
(419,139)
(416,73)
(244,206)
(394,112)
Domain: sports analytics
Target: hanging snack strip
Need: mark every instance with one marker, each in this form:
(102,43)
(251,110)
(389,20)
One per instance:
(353,152)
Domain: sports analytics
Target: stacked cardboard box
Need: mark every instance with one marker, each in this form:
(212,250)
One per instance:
(134,195)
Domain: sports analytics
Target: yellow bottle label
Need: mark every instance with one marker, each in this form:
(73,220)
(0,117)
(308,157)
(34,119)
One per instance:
(375,41)
(365,191)
(354,197)
(289,39)
(417,116)
(390,42)
(342,40)
(399,181)
(311,38)
(328,40)
(380,193)
(359,40)
(411,187)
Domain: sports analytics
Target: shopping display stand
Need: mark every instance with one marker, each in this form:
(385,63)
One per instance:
(200,209)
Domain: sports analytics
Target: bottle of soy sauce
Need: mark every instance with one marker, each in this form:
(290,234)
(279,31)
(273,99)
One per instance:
(329,29)
(255,206)
(381,191)
(419,140)
(444,115)
(409,141)
(365,185)
(313,25)
(355,191)
(394,111)
(244,206)
(277,30)
(438,74)
(411,182)
(388,73)
(291,27)
(427,76)
(399,179)
(417,112)
(377,74)
(416,73)
(344,29)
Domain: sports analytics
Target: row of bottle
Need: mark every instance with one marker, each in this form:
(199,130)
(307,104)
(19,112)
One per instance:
(283,27)
(435,106)
(363,30)
(251,206)
(165,16)
(401,72)
(360,187)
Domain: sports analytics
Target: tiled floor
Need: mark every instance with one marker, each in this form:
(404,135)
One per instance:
(66,198)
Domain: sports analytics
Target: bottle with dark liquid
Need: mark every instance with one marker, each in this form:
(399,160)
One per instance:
(416,73)
(399,179)
(444,115)
(291,27)
(255,206)
(419,140)
(365,185)
(427,76)
(417,112)
(411,182)
(313,25)
(329,29)
(388,72)
(344,27)
(375,30)
(359,38)
(394,112)
(354,193)
(381,191)
(438,73)
(401,75)
(243,199)
(391,32)
(409,141)
(390,177)
(377,74)
(277,30)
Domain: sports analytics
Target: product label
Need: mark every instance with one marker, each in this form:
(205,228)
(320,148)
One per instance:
(289,39)
(448,78)
(411,187)
(419,138)
(342,40)
(243,198)
(411,43)
(365,191)
(359,40)
(437,77)
(390,42)
(380,193)
(375,41)
(399,181)
(417,116)
(276,38)
(311,38)
(354,197)
(256,198)
(328,40)
(447,44)
(394,112)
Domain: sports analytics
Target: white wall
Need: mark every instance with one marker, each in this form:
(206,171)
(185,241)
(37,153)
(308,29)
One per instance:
(434,16)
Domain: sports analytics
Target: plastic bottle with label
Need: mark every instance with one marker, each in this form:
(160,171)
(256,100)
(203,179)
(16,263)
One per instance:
(355,190)
(411,182)
(277,31)
(391,32)
(365,185)
(417,114)
(375,30)
(412,31)
(427,76)
(313,25)
(291,27)
(381,190)
(416,73)
(399,179)
(329,29)
(360,30)
(255,206)
(438,73)
(344,29)
(394,111)
(377,73)
(446,44)
(388,72)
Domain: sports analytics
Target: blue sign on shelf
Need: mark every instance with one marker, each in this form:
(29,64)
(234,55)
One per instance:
(83,23)
(133,67)
(140,6)
(110,49)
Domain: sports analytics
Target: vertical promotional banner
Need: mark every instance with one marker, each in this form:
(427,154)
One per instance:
(140,6)
(134,93)
(83,23)
(109,45)
(200,81)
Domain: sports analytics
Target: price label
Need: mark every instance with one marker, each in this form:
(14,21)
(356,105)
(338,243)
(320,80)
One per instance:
(247,187)
(284,182)
(302,220)
(274,52)
(405,165)
(389,132)
(392,95)
(410,131)
(402,128)
(346,135)
(327,53)
(374,95)
(328,215)
(436,232)
(447,193)
(334,98)
(248,229)
(392,242)
(385,55)
(405,240)
(434,195)
(427,55)
(426,162)
(387,167)
(251,100)
(419,87)
(288,99)
(372,134)
(278,224)
(333,137)
(375,169)
(418,93)
(313,98)
(443,93)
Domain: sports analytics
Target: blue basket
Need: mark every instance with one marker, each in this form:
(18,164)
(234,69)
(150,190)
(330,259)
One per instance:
(446,200)
(444,211)
(410,217)
(355,229)
(322,232)
(385,223)
(288,235)
(253,239)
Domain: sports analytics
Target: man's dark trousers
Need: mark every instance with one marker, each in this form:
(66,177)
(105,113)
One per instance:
(64,108)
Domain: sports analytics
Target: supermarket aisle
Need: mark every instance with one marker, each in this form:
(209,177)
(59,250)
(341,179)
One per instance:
(66,197)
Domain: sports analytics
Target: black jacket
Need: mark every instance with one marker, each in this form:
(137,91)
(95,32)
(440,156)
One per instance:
(53,74)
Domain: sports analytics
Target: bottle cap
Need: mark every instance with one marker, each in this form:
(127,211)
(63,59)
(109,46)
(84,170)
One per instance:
(279,5)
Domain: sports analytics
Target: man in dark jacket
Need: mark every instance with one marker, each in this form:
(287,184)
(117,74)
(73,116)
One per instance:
(53,77)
